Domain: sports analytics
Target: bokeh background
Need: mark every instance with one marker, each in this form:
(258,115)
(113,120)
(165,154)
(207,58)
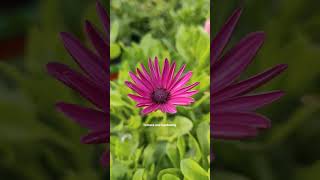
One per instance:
(36,142)
(290,149)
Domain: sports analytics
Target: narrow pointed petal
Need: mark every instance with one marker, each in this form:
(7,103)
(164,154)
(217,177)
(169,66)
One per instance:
(97,41)
(104,19)
(86,117)
(250,84)
(141,84)
(88,61)
(236,61)
(170,108)
(182,101)
(176,77)
(150,109)
(222,38)
(165,73)
(181,82)
(185,89)
(186,94)
(146,79)
(157,69)
(170,75)
(232,132)
(79,83)
(139,99)
(136,89)
(153,74)
(247,103)
(241,119)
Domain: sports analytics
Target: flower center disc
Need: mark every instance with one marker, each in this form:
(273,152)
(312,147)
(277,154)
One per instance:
(160,96)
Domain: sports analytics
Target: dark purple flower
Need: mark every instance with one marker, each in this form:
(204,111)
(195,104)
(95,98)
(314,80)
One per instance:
(92,84)
(161,89)
(233,104)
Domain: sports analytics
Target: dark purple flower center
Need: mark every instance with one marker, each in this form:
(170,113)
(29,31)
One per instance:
(160,96)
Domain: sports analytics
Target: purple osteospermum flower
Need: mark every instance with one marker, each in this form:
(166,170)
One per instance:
(232,107)
(92,85)
(161,90)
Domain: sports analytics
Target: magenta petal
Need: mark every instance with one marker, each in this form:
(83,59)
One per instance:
(104,19)
(140,83)
(181,82)
(150,109)
(185,89)
(170,108)
(136,89)
(157,69)
(165,73)
(222,38)
(81,84)
(145,79)
(86,117)
(170,75)
(240,118)
(139,99)
(88,61)
(247,103)
(187,94)
(181,101)
(176,77)
(233,132)
(235,61)
(249,84)
(97,41)
(153,74)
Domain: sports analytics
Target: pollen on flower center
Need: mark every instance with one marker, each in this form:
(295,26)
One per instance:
(160,96)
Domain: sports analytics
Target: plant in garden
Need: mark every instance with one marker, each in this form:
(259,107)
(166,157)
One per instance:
(161,90)
(232,106)
(93,85)
(140,152)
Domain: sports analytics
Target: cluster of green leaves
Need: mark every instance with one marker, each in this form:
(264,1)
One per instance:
(288,150)
(166,29)
(37,142)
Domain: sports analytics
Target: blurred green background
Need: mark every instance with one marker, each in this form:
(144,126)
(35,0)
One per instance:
(290,150)
(36,142)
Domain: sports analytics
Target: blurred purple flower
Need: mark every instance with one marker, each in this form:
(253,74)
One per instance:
(93,84)
(207,26)
(232,107)
(161,90)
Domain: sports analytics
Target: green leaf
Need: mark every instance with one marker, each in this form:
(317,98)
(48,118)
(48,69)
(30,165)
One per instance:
(115,51)
(173,154)
(173,171)
(203,135)
(192,170)
(138,175)
(181,146)
(114,31)
(194,149)
(169,177)
(193,44)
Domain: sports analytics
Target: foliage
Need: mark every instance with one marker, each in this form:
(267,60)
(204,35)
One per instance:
(162,153)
